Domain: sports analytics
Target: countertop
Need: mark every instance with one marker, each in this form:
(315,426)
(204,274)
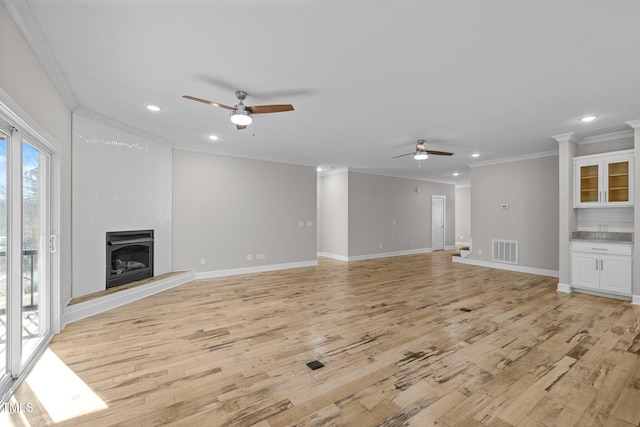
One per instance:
(602,237)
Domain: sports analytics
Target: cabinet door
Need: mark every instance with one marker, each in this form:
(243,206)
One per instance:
(587,183)
(615,274)
(585,269)
(618,189)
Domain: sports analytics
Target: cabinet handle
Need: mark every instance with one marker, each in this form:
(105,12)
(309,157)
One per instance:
(605,197)
(601,265)
(599,249)
(596,264)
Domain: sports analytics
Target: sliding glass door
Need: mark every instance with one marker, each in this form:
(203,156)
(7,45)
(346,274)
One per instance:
(24,252)
(4,138)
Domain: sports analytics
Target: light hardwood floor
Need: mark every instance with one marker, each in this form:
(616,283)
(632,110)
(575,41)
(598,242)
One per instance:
(397,349)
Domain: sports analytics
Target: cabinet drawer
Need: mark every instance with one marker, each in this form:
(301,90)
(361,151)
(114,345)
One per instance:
(602,248)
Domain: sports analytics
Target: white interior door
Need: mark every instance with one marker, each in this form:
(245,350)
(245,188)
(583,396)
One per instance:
(437,222)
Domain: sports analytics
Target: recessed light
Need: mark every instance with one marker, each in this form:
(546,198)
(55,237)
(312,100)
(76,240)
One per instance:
(475,155)
(456,174)
(319,169)
(587,119)
(153,108)
(214,137)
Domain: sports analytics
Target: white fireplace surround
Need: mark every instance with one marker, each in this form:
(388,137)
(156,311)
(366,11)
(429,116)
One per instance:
(120,182)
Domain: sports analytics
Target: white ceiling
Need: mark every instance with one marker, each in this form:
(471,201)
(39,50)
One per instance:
(366,78)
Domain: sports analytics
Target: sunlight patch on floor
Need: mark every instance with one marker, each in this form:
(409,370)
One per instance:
(62,393)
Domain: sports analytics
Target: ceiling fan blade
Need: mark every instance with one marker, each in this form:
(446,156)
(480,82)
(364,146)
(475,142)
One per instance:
(402,155)
(204,101)
(241,126)
(439,153)
(261,109)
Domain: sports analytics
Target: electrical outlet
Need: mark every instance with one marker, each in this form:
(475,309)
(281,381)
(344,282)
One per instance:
(309,223)
(479,251)
(300,223)
(380,245)
(203,261)
(249,257)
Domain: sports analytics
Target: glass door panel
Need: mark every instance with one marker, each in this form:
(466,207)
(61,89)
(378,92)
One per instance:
(3,254)
(618,182)
(589,184)
(34,249)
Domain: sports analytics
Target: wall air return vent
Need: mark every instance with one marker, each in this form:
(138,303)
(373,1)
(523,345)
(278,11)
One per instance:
(505,251)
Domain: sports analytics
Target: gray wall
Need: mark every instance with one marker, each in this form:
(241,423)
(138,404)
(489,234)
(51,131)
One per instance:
(225,208)
(26,81)
(463,215)
(333,214)
(530,187)
(625,143)
(375,202)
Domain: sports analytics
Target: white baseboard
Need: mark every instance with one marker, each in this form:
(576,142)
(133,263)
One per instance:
(563,287)
(500,266)
(635,300)
(374,256)
(333,256)
(75,312)
(257,269)
(389,254)
(601,294)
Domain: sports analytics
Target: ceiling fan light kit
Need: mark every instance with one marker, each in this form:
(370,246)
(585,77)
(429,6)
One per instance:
(420,155)
(241,117)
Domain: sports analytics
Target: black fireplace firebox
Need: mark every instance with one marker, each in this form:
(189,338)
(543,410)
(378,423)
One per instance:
(129,256)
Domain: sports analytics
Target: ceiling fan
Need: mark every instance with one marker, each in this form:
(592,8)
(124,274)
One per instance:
(422,153)
(240,113)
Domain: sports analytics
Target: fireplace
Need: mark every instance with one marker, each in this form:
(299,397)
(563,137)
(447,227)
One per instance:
(129,256)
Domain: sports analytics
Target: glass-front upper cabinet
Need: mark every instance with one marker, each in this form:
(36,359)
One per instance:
(604,180)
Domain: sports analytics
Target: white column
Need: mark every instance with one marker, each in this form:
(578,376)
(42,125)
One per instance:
(567,150)
(635,290)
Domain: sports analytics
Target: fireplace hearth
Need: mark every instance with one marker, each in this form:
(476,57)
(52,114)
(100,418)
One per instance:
(129,256)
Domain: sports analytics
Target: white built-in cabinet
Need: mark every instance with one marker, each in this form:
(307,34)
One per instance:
(603,180)
(604,267)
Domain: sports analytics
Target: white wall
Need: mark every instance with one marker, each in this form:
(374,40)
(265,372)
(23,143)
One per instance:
(27,83)
(226,208)
(120,182)
(463,216)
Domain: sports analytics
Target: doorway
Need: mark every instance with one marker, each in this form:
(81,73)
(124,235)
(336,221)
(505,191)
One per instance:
(438,204)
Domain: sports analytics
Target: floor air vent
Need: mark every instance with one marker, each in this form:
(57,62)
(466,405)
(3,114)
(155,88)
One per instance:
(505,251)
(315,364)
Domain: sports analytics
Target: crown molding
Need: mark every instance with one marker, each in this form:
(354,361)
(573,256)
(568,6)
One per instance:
(568,137)
(25,20)
(401,177)
(333,171)
(634,123)
(608,136)
(514,159)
